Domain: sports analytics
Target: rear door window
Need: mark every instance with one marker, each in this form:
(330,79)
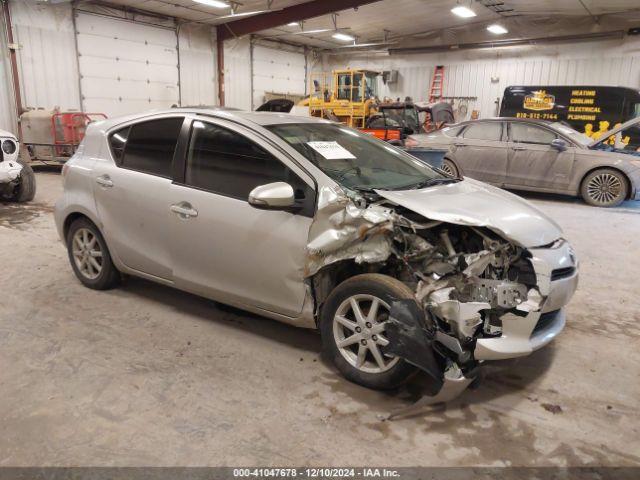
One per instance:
(527,133)
(147,146)
(483,131)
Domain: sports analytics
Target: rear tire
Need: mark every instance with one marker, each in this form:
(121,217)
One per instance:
(604,187)
(352,339)
(450,168)
(26,189)
(90,257)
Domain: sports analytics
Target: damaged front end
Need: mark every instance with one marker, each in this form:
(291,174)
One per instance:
(478,295)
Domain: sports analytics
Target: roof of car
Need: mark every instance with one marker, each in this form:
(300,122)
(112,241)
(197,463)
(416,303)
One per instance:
(510,119)
(241,116)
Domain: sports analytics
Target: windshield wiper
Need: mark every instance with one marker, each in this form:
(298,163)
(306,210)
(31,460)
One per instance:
(430,182)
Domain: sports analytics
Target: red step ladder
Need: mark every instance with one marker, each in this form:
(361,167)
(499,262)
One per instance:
(437,84)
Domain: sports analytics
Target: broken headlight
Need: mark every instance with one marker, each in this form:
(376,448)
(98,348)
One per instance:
(9,147)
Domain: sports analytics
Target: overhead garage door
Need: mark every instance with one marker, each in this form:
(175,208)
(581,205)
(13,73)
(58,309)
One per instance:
(277,71)
(126,67)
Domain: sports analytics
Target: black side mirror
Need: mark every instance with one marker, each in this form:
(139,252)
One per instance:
(559,144)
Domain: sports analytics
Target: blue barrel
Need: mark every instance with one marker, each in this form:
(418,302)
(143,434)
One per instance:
(431,156)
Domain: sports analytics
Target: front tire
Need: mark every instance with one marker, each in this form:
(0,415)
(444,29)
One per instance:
(352,330)
(604,187)
(26,189)
(90,257)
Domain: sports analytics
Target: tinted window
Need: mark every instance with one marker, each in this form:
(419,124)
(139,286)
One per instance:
(527,133)
(225,162)
(118,140)
(150,145)
(483,131)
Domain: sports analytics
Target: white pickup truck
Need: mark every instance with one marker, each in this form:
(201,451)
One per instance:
(17,180)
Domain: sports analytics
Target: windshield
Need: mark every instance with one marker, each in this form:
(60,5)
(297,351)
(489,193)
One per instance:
(356,160)
(579,138)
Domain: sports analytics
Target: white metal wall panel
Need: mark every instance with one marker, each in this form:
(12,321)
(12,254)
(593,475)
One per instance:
(198,65)
(277,70)
(237,73)
(126,67)
(47,63)
(486,73)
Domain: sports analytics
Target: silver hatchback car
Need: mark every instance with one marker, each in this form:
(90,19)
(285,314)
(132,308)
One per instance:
(318,225)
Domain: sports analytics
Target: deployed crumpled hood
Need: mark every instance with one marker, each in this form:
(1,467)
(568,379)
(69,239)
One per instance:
(474,203)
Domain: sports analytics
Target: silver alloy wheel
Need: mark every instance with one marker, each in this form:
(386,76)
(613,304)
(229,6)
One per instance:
(87,253)
(604,188)
(358,330)
(446,168)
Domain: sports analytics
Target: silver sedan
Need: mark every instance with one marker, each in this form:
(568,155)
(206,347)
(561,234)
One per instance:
(315,224)
(541,156)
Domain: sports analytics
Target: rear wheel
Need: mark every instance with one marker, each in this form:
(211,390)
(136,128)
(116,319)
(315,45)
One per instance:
(89,256)
(352,325)
(26,189)
(449,168)
(604,188)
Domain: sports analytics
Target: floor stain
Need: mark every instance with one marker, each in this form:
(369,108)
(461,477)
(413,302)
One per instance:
(18,215)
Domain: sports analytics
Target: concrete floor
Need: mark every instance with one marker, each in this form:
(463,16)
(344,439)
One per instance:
(144,375)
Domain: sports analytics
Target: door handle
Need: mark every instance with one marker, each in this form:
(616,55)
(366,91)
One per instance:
(184,210)
(518,148)
(105,181)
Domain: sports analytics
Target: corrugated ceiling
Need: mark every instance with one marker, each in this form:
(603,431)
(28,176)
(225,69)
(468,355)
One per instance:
(411,21)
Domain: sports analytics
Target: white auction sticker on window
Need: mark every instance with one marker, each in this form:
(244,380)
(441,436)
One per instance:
(331,150)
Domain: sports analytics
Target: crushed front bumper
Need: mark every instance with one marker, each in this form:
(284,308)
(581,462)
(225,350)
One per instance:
(556,271)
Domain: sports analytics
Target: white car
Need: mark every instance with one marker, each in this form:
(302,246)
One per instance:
(17,180)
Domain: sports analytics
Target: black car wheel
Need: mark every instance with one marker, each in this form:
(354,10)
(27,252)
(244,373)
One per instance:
(90,257)
(450,168)
(604,187)
(352,326)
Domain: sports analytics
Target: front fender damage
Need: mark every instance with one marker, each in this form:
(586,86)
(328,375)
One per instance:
(466,279)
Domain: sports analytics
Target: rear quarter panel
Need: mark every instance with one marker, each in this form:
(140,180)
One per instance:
(78,182)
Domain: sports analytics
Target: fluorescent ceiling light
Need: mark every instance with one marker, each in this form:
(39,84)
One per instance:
(293,24)
(343,37)
(305,32)
(370,44)
(464,12)
(497,29)
(214,3)
(244,14)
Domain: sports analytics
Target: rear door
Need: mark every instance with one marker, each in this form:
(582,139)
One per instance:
(481,152)
(226,249)
(533,162)
(132,193)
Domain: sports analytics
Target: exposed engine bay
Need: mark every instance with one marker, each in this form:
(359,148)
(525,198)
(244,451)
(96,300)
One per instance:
(466,279)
